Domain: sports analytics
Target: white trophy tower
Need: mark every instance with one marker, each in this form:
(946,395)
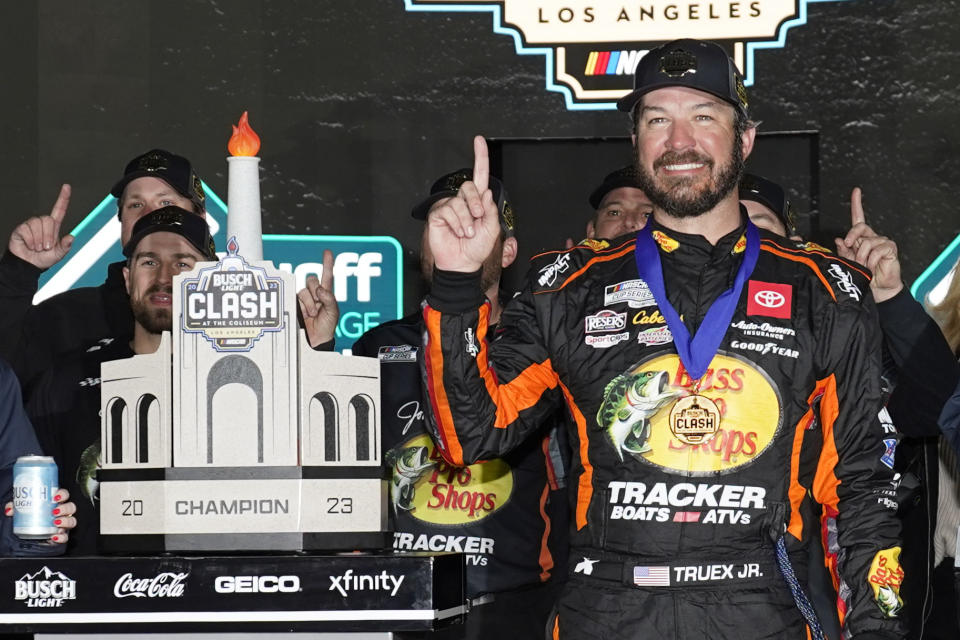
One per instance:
(253,441)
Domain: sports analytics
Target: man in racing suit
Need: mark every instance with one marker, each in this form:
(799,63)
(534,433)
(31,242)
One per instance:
(509,514)
(697,462)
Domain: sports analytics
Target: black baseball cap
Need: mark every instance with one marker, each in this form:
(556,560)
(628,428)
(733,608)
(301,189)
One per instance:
(623,177)
(173,169)
(688,63)
(772,196)
(174,220)
(448,185)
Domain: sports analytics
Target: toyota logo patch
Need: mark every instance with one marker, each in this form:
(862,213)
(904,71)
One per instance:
(769,299)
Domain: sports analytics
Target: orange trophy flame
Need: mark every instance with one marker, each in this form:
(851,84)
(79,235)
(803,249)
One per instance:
(244,141)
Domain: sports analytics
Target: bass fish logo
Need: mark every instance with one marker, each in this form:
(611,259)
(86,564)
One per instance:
(428,488)
(408,466)
(629,401)
(636,408)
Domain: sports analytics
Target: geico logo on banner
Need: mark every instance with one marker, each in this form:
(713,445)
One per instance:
(367,270)
(257,584)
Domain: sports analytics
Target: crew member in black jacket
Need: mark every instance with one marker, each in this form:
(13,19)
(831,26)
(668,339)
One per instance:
(33,336)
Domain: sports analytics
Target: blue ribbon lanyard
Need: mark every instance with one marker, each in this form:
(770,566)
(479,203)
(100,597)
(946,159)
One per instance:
(697,352)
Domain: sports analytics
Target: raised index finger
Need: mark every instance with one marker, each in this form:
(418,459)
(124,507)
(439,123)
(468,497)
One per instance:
(856,208)
(326,279)
(59,210)
(481,164)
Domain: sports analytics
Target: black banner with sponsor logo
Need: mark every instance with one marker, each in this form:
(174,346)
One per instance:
(350,592)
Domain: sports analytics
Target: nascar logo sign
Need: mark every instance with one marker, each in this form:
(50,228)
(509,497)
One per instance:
(367,270)
(592,47)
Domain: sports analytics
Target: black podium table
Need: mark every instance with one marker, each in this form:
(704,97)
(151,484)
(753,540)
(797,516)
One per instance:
(348,592)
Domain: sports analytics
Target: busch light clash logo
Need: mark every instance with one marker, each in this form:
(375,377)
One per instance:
(232,303)
(651,413)
(428,488)
(592,47)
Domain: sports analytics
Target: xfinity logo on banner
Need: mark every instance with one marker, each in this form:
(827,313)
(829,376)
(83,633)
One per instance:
(350,581)
(257,584)
(45,588)
(164,585)
(367,270)
(592,47)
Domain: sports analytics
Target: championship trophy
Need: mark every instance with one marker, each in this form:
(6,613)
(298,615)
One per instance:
(253,441)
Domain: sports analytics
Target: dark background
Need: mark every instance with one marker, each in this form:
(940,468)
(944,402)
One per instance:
(360,105)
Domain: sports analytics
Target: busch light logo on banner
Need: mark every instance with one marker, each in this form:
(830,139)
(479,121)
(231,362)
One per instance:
(367,270)
(232,303)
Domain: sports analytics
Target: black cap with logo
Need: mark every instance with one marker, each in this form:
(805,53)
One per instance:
(688,63)
(448,185)
(623,177)
(772,196)
(173,169)
(174,220)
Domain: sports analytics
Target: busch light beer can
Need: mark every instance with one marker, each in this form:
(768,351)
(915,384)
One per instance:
(34,482)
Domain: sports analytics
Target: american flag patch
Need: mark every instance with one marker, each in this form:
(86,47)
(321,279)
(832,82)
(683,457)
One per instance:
(686,516)
(651,576)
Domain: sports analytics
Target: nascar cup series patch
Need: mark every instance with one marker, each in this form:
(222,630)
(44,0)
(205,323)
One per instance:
(653,413)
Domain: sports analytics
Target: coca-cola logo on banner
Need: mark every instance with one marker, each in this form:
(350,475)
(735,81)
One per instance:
(164,585)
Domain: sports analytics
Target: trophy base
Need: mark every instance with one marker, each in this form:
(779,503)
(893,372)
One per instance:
(251,509)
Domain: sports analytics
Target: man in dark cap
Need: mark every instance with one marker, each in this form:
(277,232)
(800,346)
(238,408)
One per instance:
(32,336)
(619,205)
(725,390)
(64,402)
(507,514)
(767,205)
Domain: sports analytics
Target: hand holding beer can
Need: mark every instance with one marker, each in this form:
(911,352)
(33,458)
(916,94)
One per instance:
(35,481)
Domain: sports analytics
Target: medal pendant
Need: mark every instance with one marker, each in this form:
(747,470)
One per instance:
(694,419)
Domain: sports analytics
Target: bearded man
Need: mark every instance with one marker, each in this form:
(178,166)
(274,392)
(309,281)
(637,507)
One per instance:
(724,390)
(64,404)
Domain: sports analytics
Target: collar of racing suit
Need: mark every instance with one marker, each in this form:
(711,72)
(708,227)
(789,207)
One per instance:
(695,271)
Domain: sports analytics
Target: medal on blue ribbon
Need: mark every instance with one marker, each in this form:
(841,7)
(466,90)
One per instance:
(695,419)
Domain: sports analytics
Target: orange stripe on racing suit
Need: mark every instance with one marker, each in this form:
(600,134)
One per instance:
(796,491)
(546,558)
(830,256)
(825,481)
(801,259)
(451,449)
(620,251)
(585,482)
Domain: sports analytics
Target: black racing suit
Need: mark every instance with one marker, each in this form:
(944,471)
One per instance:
(32,336)
(507,515)
(674,539)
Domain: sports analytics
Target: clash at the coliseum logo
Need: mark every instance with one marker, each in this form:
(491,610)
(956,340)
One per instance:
(592,46)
